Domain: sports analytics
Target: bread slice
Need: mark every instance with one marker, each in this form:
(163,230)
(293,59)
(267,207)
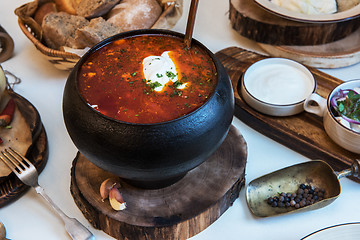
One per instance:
(97,30)
(95,8)
(68,6)
(59,29)
(135,14)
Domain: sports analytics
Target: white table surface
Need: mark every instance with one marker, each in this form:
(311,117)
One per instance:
(42,84)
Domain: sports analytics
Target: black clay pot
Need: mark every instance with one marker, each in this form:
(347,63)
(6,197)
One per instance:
(149,155)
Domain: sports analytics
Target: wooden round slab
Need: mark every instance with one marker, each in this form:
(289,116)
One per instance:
(341,53)
(255,23)
(176,212)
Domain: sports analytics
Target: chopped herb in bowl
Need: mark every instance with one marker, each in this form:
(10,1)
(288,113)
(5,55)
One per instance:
(346,108)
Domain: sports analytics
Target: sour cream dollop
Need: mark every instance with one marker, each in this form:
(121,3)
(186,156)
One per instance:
(160,70)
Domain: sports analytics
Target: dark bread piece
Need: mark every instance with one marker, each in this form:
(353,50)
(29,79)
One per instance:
(95,8)
(59,29)
(135,14)
(43,10)
(97,30)
(67,6)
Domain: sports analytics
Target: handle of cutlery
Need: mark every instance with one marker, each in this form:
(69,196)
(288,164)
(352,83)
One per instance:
(355,168)
(76,230)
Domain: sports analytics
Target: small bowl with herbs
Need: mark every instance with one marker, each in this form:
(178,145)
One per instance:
(341,114)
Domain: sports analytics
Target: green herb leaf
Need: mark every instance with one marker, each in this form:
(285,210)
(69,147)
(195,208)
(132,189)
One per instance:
(341,107)
(177,84)
(154,85)
(350,107)
(170,74)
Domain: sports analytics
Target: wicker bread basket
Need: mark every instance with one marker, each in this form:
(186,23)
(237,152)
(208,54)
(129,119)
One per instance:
(172,11)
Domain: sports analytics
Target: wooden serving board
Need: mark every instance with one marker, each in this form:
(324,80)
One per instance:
(179,211)
(304,132)
(255,23)
(11,188)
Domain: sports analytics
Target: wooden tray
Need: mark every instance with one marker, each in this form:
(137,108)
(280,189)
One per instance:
(304,133)
(176,212)
(11,188)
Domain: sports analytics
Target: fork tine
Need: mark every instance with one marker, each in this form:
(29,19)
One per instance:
(8,163)
(22,167)
(16,155)
(17,160)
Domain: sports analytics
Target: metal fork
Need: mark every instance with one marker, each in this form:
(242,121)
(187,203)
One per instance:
(28,174)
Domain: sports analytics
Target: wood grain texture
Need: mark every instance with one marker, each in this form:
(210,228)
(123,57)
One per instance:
(341,53)
(11,188)
(304,132)
(176,212)
(255,23)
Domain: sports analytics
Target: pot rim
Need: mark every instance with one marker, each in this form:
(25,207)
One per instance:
(139,33)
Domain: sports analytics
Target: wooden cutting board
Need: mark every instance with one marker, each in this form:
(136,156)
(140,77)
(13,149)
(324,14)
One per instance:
(179,211)
(304,132)
(255,23)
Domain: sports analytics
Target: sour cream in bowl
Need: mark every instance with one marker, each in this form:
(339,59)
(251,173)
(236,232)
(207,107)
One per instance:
(277,86)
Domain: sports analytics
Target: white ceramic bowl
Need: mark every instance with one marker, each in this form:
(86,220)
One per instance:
(277,86)
(343,136)
(339,16)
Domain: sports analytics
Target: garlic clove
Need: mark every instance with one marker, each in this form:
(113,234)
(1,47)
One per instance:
(116,200)
(106,186)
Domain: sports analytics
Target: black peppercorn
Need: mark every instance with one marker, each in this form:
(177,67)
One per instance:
(305,195)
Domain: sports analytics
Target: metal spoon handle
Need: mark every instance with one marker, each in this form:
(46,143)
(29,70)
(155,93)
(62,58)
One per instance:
(76,230)
(353,171)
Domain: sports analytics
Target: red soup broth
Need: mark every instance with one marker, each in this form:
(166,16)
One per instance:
(112,81)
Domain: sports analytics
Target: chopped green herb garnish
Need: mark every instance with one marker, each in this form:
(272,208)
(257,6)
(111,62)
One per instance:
(170,74)
(177,84)
(350,106)
(154,85)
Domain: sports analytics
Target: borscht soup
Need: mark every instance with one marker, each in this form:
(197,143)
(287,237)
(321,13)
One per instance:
(147,79)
